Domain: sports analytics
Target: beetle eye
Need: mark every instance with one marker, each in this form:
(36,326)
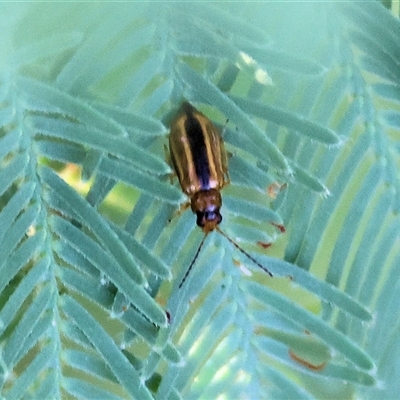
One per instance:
(201,221)
(208,216)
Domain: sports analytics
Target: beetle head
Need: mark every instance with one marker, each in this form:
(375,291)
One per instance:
(206,204)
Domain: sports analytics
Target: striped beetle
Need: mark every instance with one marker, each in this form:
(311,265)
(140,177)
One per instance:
(200,161)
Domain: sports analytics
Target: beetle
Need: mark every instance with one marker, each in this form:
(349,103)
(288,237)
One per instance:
(199,159)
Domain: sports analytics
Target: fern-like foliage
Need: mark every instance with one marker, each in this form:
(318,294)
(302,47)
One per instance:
(93,245)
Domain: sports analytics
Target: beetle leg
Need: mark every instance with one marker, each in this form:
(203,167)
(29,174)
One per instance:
(224,161)
(171,175)
(182,208)
(167,156)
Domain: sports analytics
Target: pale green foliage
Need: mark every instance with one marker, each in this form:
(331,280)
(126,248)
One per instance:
(312,98)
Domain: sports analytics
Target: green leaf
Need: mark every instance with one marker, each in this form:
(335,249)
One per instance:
(41,361)
(81,210)
(14,302)
(117,146)
(96,235)
(135,178)
(18,343)
(119,365)
(289,120)
(83,389)
(110,268)
(312,324)
(12,171)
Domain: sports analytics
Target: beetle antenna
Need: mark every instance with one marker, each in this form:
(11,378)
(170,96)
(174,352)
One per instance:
(251,258)
(193,261)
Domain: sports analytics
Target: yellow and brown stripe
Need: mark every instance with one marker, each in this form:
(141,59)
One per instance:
(197,152)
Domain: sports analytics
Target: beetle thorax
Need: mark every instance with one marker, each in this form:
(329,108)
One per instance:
(206,204)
